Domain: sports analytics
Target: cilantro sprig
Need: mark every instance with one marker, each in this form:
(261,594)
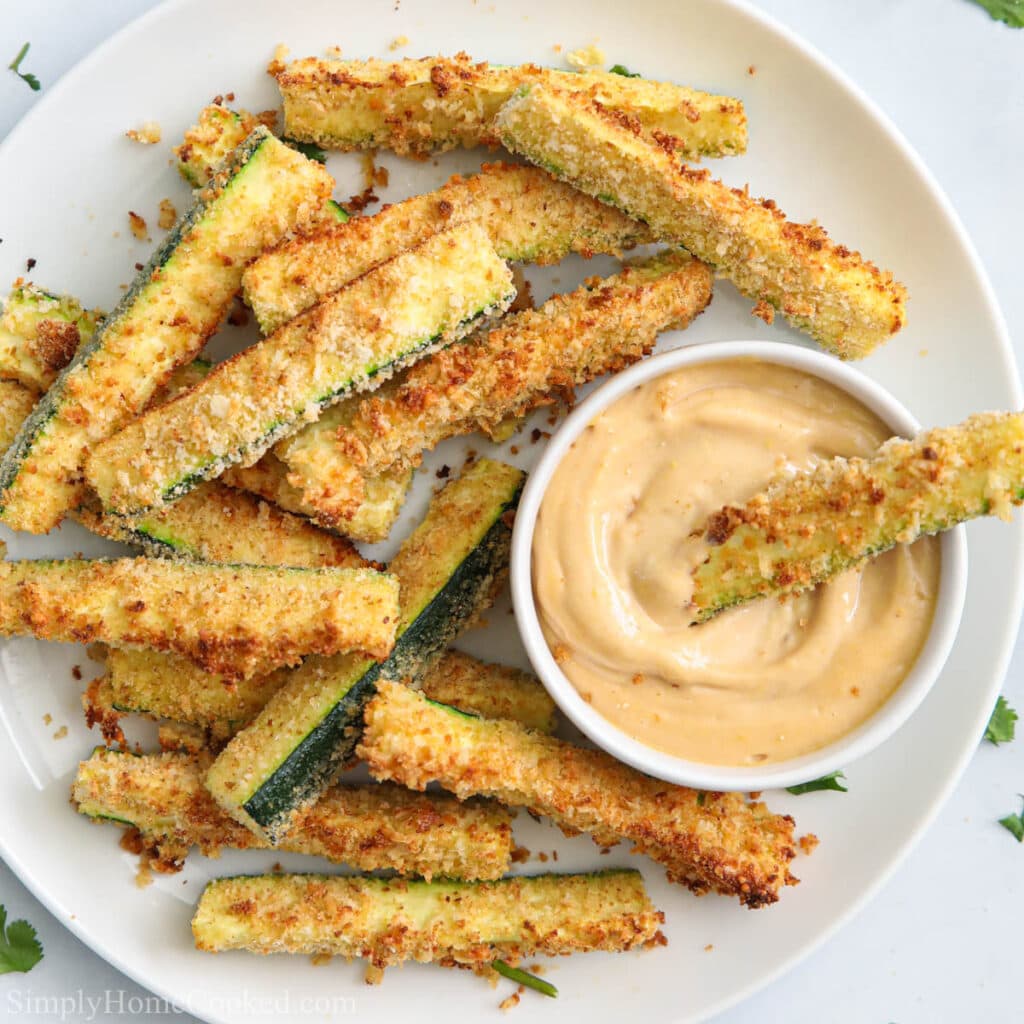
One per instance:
(1009,12)
(1002,725)
(621,69)
(20,950)
(30,80)
(1014,824)
(834,780)
(545,988)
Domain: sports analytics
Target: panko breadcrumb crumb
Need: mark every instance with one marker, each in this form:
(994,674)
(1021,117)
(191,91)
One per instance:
(148,134)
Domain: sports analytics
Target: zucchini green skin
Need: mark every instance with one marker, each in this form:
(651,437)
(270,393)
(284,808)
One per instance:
(391,920)
(161,323)
(423,299)
(264,789)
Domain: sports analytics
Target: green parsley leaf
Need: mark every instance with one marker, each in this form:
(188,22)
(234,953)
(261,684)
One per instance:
(830,781)
(701,797)
(1010,12)
(308,150)
(20,950)
(545,988)
(30,80)
(621,69)
(1014,824)
(1001,726)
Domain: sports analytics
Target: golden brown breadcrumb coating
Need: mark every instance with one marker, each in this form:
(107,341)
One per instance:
(720,843)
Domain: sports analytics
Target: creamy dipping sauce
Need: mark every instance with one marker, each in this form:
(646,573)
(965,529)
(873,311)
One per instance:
(614,548)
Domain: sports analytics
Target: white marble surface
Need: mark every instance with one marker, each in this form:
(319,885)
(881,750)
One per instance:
(940,942)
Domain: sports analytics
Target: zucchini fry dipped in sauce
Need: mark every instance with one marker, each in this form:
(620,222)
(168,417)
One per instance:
(370,827)
(571,339)
(177,301)
(527,215)
(388,921)
(719,843)
(39,334)
(232,619)
(438,103)
(811,526)
(422,300)
(841,300)
(447,569)
(168,686)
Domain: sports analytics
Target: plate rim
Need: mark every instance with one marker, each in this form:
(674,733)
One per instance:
(972,735)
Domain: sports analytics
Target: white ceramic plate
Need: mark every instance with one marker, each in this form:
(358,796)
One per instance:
(821,149)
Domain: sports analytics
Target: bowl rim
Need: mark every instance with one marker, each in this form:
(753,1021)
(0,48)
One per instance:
(875,730)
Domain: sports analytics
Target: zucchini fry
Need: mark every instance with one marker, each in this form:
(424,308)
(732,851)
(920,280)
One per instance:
(176,302)
(168,686)
(811,526)
(374,508)
(720,843)
(420,301)
(391,920)
(844,302)
(527,214)
(490,691)
(209,142)
(370,827)
(572,338)
(448,569)
(39,333)
(215,523)
(437,103)
(236,620)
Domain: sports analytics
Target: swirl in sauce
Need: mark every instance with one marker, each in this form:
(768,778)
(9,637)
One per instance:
(618,535)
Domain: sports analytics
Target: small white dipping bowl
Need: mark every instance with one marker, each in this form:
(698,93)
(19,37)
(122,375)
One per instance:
(722,778)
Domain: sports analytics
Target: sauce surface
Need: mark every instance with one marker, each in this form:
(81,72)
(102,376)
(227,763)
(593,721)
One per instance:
(614,548)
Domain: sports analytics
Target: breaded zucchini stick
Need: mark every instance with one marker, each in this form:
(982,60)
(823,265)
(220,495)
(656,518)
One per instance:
(721,843)
(490,691)
(236,620)
(371,519)
(420,301)
(437,103)
(572,338)
(39,333)
(209,142)
(370,827)
(374,508)
(215,523)
(807,528)
(448,568)
(527,214)
(841,300)
(211,139)
(171,687)
(176,302)
(391,920)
